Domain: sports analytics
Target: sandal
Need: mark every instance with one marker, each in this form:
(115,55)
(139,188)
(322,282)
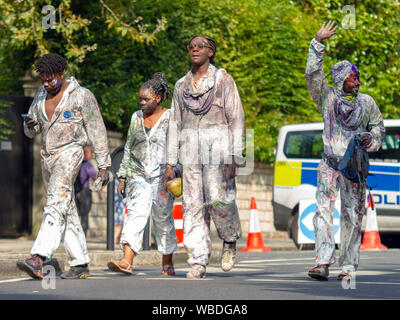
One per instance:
(319,272)
(113,265)
(168,270)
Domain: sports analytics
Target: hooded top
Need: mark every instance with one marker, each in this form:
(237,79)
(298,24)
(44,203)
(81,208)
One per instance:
(75,119)
(344,116)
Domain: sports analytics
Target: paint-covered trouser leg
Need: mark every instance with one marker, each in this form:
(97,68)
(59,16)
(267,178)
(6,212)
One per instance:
(352,210)
(164,225)
(220,199)
(145,197)
(327,190)
(60,217)
(205,195)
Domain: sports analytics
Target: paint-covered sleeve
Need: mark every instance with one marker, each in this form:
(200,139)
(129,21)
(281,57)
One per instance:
(96,130)
(375,127)
(174,129)
(125,167)
(314,75)
(235,116)
(33,113)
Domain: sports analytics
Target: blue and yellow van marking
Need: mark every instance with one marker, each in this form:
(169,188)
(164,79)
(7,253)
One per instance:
(292,174)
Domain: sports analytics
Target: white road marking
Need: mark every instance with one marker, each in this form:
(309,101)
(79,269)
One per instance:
(178,278)
(275,260)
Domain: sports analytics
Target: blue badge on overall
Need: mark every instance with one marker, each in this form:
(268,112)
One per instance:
(67,114)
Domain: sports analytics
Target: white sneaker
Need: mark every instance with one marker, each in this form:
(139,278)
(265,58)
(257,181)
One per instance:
(197,272)
(228,256)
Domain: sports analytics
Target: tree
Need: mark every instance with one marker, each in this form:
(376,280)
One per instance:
(114,46)
(31,28)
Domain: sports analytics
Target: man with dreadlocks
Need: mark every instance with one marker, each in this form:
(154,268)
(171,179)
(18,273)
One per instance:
(66,115)
(346,113)
(141,175)
(206,136)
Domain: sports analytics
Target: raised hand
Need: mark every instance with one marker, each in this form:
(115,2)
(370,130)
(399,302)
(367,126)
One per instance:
(326,31)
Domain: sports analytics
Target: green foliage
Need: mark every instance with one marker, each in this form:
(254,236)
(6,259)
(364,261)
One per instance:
(113,46)
(260,43)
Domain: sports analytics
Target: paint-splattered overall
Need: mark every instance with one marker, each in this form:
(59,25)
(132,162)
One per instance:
(143,167)
(201,143)
(76,118)
(343,117)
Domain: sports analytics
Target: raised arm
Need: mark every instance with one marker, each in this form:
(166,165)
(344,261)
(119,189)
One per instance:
(315,76)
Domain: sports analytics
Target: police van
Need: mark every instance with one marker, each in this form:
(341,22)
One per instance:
(298,153)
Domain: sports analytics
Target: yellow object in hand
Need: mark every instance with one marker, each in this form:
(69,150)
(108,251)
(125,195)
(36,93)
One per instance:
(174,186)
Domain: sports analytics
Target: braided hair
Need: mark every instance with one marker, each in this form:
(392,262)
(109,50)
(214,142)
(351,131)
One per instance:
(158,84)
(50,64)
(212,44)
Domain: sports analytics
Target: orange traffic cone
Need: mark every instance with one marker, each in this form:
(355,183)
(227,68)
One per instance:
(372,240)
(254,241)
(178,219)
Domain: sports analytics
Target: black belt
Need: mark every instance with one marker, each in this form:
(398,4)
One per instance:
(332,160)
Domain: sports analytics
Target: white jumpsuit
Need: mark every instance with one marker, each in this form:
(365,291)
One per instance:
(344,117)
(76,118)
(143,167)
(202,144)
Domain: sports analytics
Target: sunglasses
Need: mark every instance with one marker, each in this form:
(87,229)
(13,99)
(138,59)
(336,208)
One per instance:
(200,45)
(49,82)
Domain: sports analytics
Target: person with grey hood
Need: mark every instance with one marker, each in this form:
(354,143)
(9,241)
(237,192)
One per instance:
(66,115)
(346,113)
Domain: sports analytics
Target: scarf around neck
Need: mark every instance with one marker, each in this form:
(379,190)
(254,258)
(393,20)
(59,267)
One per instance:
(198,96)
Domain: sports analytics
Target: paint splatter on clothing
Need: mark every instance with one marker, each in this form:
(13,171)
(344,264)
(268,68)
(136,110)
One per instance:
(143,167)
(202,143)
(76,118)
(344,116)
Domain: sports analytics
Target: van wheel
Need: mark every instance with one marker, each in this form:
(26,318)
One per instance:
(293,233)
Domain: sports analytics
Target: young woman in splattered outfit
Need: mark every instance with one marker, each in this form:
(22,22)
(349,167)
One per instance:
(141,174)
(346,112)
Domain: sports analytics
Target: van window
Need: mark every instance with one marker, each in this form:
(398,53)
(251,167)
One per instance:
(390,149)
(304,144)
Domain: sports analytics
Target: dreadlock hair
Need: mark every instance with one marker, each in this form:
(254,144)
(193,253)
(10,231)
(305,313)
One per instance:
(50,64)
(212,44)
(158,84)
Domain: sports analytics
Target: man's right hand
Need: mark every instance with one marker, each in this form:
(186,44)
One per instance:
(30,124)
(326,31)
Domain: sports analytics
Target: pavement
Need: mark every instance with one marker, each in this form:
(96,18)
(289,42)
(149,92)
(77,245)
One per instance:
(11,250)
